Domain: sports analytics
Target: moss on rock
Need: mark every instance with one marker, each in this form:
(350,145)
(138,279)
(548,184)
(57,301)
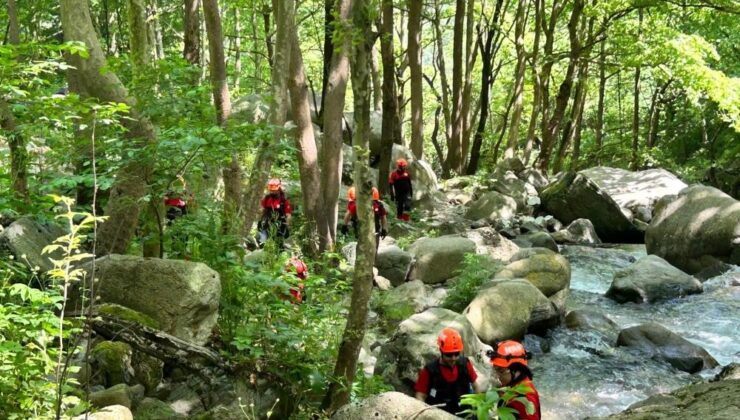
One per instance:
(127,314)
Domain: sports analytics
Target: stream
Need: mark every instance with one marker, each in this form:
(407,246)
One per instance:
(583,375)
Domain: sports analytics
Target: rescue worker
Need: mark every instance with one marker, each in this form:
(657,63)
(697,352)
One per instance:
(510,364)
(448,377)
(401,190)
(379,215)
(276,214)
(295,265)
(176,206)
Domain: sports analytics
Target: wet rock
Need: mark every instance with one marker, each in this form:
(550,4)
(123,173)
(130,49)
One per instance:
(492,206)
(391,405)
(393,263)
(25,238)
(586,319)
(658,342)
(548,271)
(580,231)
(112,412)
(489,242)
(731,371)
(536,240)
(509,308)
(651,279)
(698,228)
(438,259)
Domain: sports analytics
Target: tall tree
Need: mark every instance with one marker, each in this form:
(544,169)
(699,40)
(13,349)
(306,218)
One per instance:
(14,28)
(454,144)
(87,77)
(417,92)
(539,6)
(191,32)
(599,129)
(137,29)
(635,162)
(362,285)
(518,93)
(471,53)
(391,125)
(331,161)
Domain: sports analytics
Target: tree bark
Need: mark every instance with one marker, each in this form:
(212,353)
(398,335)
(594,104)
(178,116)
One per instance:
(191,32)
(599,129)
(486,75)
(417,92)
(549,27)
(278,110)
(518,94)
(636,107)
(376,83)
(137,28)
(471,54)
(14,29)
(237,48)
(574,124)
(87,78)
(539,7)
(328,51)
(652,137)
(442,70)
(156,29)
(18,155)
(454,144)
(268,38)
(331,162)
(362,285)
(390,103)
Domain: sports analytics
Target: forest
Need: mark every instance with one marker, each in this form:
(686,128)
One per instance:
(140,141)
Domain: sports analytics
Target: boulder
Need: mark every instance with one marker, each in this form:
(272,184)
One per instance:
(458,183)
(25,240)
(425,184)
(112,412)
(120,394)
(574,196)
(512,164)
(658,342)
(438,259)
(520,191)
(393,263)
(489,242)
(154,409)
(580,231)
(731,371)
(376,125)
(587,319)
(405,300)
(536,240)
(695,230)
(182,296)
(492,206)
(651,279)
(111,360)
(391,405)
(535,178)
(252,109)
(414,344)
(548,271)
(635,192)
(509,308)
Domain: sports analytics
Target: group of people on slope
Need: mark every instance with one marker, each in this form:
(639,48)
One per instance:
(451,375)
(276,210)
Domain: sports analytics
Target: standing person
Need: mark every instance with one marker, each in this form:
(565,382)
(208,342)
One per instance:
(276,214)
(350,216)
(379,213)
(448,377)
(510,365)
(401,190)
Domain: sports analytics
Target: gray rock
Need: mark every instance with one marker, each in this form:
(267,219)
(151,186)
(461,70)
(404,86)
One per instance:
(548,271)
(403,301)
(535,178)
(391,405)
(393,263)
(512,164)
(154,409)
(511,186)
(181,296)
(438,259)
(580,231)
(659,343)
(120,394)
(492,206)
(111,360)
(586,319)
(112,412)
(697,229)
(536,240)
(458,183)
(489,242)
(731,371)
(509,308)
(26,238)
(651,279)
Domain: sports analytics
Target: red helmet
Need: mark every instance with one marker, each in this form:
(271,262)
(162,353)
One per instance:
(401,163)
(351,193)
(273,184)
(295,264)
(376,194)
(449,341)
(508,352)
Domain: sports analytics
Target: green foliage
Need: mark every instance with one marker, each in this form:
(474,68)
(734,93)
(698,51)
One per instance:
(493,403)
(367,386)
(475,271)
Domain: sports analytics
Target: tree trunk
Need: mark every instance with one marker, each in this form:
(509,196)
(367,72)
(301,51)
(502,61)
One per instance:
(362,285)
(454,144)
(278,110)
(308,165)
(442,69)
(18,155)
(14,29)
(539,6)
(561,101)
(268,37)
(655,106)
(375,77)
(636,106)
(417,95)
(574,124)
(137,28)
(191,50)
(331,162)
(471,53)
(390,102)
(156,25)
(485,88)
(599,130)
(549,27)
(237,48)
(328,52)
(518,93)
(87,78)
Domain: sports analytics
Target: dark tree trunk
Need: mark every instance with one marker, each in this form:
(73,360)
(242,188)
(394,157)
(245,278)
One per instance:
(390,103)
(14,29)
(485,88)
(518,91)
(454,145)
(599,130)
(636,106)
(539,6)
(417,99)
(191,50)
(652,138)
(328,51)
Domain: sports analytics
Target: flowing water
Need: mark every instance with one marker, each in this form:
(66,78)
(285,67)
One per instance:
(584,375)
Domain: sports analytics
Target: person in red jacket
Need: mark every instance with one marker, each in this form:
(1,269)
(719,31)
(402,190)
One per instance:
(510,364)
(401,190)
(379,214)
(445,379)
(297,292)
(276,214)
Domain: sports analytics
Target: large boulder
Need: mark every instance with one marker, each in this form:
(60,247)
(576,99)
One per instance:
(651,279)
(489,242)
(405,300)
(111,361)
(393,263)
(509,308)
(439,259)
(113,412)
(697,229)
(25,240)
(548,271)
(574,196)
(492,206)
(660,343)
(536,240)
(252,109)
(535,178)
(635,192)
(519,190)
(182,296)
(376,126)
(414,344)
(579,231)
(391,405)
(586,319)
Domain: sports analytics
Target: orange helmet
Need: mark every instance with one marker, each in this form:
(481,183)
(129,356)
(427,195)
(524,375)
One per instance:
(376,194)
(273,184)
(401,163)
(351,193)
(449,341)
(508,352)
(295,264)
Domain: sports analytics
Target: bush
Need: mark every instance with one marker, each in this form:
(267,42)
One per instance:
(476,270)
